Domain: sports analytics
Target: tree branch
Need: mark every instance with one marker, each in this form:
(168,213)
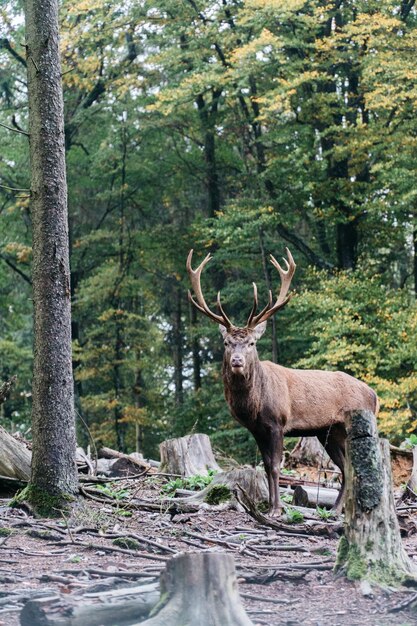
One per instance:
(5,43)
(16,269)
(14,130)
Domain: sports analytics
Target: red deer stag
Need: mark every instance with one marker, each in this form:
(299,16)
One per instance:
(272,401)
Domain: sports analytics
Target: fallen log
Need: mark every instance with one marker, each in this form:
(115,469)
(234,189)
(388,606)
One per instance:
(199,588)
(119,606)
(127,463)
(315,496)
(371,548)
(188,456)
(15,458)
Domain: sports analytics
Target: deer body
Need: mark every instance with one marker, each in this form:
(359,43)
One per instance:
(271,400)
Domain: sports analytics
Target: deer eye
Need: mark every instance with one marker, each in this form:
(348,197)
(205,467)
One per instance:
(252,343)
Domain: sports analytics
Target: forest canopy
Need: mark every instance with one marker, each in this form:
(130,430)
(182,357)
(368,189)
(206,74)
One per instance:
(239,128)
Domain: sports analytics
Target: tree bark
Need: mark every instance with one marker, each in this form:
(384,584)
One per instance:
(187,456)
(200,588)
(53,463)
(371,548)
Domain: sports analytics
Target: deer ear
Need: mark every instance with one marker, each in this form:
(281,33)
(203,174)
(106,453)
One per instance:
(259,330)
(223,330)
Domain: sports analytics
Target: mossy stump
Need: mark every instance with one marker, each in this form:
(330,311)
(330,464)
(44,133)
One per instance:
(371,548)
(199,588)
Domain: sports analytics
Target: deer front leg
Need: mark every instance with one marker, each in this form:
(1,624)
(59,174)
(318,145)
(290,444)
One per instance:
(271,442)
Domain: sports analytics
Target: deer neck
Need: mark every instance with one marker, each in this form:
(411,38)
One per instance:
(243,391)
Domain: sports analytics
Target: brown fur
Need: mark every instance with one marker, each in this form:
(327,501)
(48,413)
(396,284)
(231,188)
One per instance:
(273,401)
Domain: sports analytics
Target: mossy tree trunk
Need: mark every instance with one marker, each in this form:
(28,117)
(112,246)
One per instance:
(200,588)
(53,463)
(371,548)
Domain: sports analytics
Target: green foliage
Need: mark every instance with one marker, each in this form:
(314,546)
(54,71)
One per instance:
(194,483)
(292,515)
(323,513)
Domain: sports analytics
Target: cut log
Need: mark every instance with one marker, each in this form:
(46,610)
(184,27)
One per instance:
(188,456)
(200,588)
(371,548)
(120,606)
(315,496)
(15,458)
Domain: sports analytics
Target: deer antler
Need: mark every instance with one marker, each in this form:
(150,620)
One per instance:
(286,277)
(200,304)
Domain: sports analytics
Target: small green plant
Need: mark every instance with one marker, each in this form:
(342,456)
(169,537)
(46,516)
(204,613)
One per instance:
(323,513)
(113,491)
(75,559)
(194,483)
(411,441)
(293,516)
(287,472)
(286,497)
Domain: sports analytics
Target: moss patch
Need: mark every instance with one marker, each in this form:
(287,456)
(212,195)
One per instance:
(217,494)
(43,503)
(126,542)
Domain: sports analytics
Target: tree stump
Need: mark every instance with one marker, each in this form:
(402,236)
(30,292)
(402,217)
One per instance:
(371,548)
(200,588)
(223,486)
(310,452)
(188,456)
(15,457)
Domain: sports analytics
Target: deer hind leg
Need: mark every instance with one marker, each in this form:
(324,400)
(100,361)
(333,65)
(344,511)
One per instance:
(271,442)
(333,440)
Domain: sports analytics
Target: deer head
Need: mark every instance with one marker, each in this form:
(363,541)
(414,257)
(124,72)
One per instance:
(240,342)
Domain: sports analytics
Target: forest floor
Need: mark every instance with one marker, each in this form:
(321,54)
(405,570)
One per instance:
(284,578)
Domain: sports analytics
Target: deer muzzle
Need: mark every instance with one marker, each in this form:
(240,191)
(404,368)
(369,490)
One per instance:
(237,363)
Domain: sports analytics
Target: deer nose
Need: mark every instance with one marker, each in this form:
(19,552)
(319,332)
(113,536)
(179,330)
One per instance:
(237,361)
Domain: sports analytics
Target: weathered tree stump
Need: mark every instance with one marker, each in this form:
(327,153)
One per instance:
(371,548)
(15,457)
(310,452)
(187,456)
(200,588)
(222,488)
(119,606)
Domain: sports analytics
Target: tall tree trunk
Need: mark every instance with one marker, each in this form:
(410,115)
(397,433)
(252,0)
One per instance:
(177,347)
(53,428)
(195,347)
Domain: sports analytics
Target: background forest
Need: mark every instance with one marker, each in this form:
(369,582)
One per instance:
(240,128)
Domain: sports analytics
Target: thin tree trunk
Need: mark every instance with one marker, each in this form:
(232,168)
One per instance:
(53,463)
(195,347)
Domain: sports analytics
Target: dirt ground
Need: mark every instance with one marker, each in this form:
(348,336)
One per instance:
(283,578)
